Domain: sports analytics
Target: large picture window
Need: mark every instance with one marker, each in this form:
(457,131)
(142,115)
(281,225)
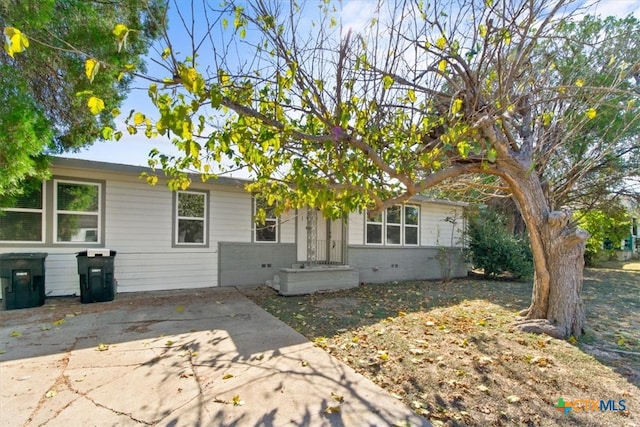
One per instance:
(266,229)
(22,217)
(191,218)
(401,225)
(77,212)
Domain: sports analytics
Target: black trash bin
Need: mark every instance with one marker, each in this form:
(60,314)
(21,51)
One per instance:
(96,267)
(22,279)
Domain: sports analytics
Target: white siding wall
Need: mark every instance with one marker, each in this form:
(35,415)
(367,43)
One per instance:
(288,227)
(356,228)
(435,230)
(231,215)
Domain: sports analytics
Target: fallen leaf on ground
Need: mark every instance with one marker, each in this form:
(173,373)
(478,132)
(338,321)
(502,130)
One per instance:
(332,410)
(337,397)
(513,398)
(50,394)
(237,401)
(103,347)
(227,376)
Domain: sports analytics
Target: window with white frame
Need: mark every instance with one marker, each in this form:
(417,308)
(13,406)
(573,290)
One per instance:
(191,218)
(265,228)
(411,225)
(400,223)
(22,216)
(374,229)
(77,211)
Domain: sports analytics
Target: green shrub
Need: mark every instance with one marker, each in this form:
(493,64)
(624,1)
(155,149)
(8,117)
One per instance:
(495,250)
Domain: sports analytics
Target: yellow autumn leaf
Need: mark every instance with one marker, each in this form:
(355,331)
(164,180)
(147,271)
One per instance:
(237,401)
(456,106)
(16,41)
(442,65)
(95,105)
(483,30)
(411,94)
(227,376)
(138,118)
(337,397)
(120,30)
(580,82)
(441,42)
(91,67)
(590,113)
(332,410)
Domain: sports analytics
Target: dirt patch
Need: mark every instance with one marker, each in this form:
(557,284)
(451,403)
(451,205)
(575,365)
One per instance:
(448,349)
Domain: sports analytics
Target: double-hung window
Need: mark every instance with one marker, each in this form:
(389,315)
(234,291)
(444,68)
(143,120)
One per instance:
(22,217)
(411,225)
(397,225)
(77,211)
(265,228)
(374,229)
(191,218)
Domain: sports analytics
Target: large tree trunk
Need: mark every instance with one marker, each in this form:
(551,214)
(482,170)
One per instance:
(558,251)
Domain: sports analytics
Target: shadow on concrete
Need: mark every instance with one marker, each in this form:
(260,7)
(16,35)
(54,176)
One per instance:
(197,358)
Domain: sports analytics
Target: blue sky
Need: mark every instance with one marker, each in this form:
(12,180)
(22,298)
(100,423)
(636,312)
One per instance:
(134,149)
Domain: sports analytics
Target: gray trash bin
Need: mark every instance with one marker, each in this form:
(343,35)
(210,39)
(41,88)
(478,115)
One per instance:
(22,279)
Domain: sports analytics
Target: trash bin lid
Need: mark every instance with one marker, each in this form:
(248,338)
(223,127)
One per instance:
(23,255)
(96,252)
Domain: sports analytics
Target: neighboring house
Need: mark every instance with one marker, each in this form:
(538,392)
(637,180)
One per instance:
(630,246)
(206,237)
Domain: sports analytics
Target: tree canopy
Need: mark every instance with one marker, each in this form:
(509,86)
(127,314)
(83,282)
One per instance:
(45,92)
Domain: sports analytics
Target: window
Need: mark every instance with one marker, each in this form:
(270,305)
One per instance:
(22,217)
(374,230)
(77,212)
(266,229)
(400,223)
(394,225)
(191,218)
(411,225)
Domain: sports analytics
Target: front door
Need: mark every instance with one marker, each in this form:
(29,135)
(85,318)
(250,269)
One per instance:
(319,240)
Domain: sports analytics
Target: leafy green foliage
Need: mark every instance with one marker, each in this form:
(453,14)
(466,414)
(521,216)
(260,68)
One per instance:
(612,226)
(61,74)
(494,249)
(24,130)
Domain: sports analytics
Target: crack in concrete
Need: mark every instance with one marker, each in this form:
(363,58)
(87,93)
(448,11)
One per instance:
(60,379)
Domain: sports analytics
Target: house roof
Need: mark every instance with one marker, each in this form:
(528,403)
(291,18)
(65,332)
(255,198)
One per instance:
(71,163)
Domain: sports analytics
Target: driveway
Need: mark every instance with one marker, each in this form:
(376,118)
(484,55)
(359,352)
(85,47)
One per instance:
(207,357)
